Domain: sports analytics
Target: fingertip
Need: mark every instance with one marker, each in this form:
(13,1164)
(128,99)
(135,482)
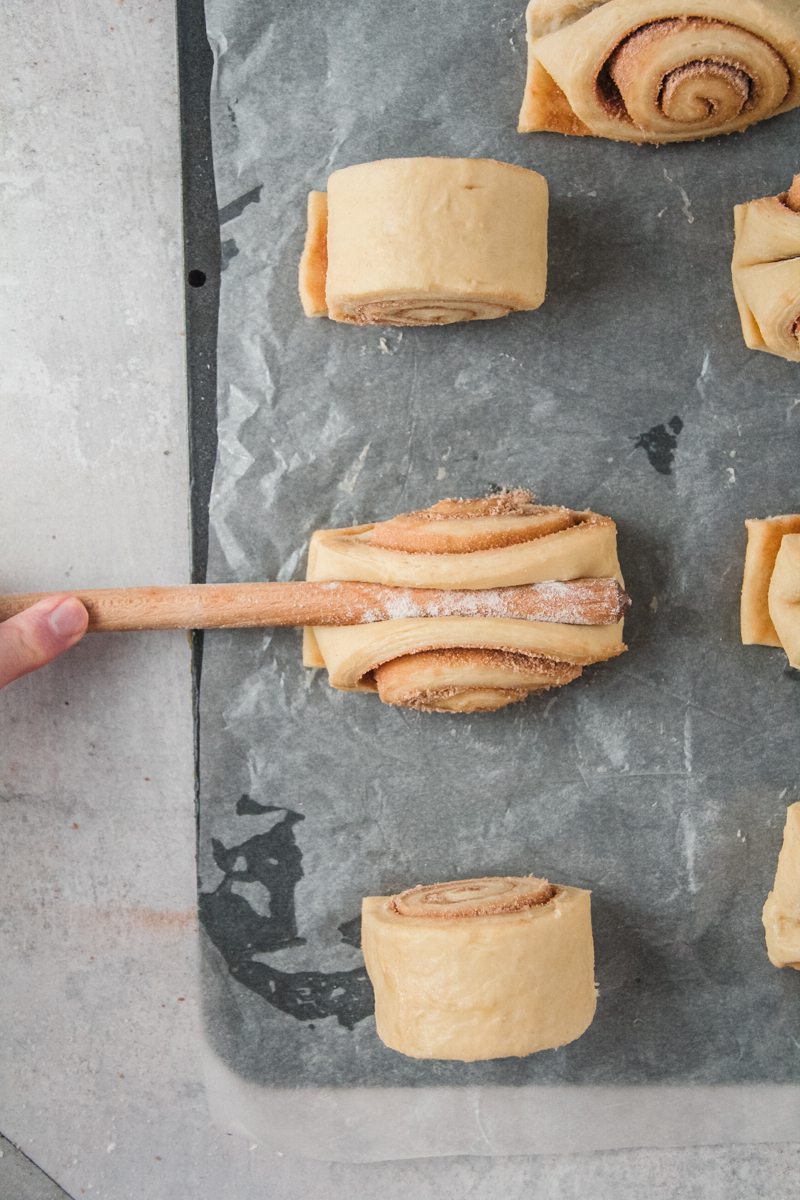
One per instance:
(33,638)
(69,620)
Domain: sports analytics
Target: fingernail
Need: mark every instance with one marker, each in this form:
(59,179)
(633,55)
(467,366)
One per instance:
(68,618)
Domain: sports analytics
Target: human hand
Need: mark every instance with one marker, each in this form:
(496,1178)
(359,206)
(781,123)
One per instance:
(36,636)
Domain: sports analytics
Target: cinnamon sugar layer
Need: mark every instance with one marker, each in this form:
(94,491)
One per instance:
(456,526)
(692,71)
(405,313)
(485,897)
(460,680)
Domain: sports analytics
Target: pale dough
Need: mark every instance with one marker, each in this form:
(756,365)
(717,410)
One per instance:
(314,259)
(426,241)
(766,274)
(659,70)
(770,611)
(782,909)
(466,971)
(784,597)
(464,664)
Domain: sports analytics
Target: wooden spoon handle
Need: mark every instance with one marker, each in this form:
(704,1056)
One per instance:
(265,605)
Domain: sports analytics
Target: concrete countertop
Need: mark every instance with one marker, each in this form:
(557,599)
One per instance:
(100,1090)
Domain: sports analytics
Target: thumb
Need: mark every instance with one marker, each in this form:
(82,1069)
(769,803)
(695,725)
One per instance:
(36,636)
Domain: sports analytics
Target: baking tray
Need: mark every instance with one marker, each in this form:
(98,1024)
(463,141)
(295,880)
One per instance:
(660,780)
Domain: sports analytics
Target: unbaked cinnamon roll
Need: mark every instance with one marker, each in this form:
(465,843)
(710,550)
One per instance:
(425,241)
(659,70)
(459,663)
(480,968)
(781,914)
(766,272)
(770,610)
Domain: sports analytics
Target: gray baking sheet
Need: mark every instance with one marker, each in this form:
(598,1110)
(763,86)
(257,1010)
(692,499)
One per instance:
(659,780)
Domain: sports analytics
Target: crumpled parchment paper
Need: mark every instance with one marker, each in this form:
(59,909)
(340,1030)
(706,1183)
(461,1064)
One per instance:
(658,780)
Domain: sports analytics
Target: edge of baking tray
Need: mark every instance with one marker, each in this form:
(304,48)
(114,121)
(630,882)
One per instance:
(201,275)
(201,265)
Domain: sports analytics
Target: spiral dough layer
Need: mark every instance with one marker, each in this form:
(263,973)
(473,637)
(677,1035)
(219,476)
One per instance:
(473,898)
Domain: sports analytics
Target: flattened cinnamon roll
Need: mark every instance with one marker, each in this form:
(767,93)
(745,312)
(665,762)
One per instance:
(460,663)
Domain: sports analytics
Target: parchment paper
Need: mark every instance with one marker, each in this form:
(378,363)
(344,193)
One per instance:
(659,780)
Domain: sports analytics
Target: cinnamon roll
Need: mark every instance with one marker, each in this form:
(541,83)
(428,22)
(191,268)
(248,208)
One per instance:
(659,70)
(770,611)
(782,910)
(459,663)
(480,968)
(766,272)
(425,241)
